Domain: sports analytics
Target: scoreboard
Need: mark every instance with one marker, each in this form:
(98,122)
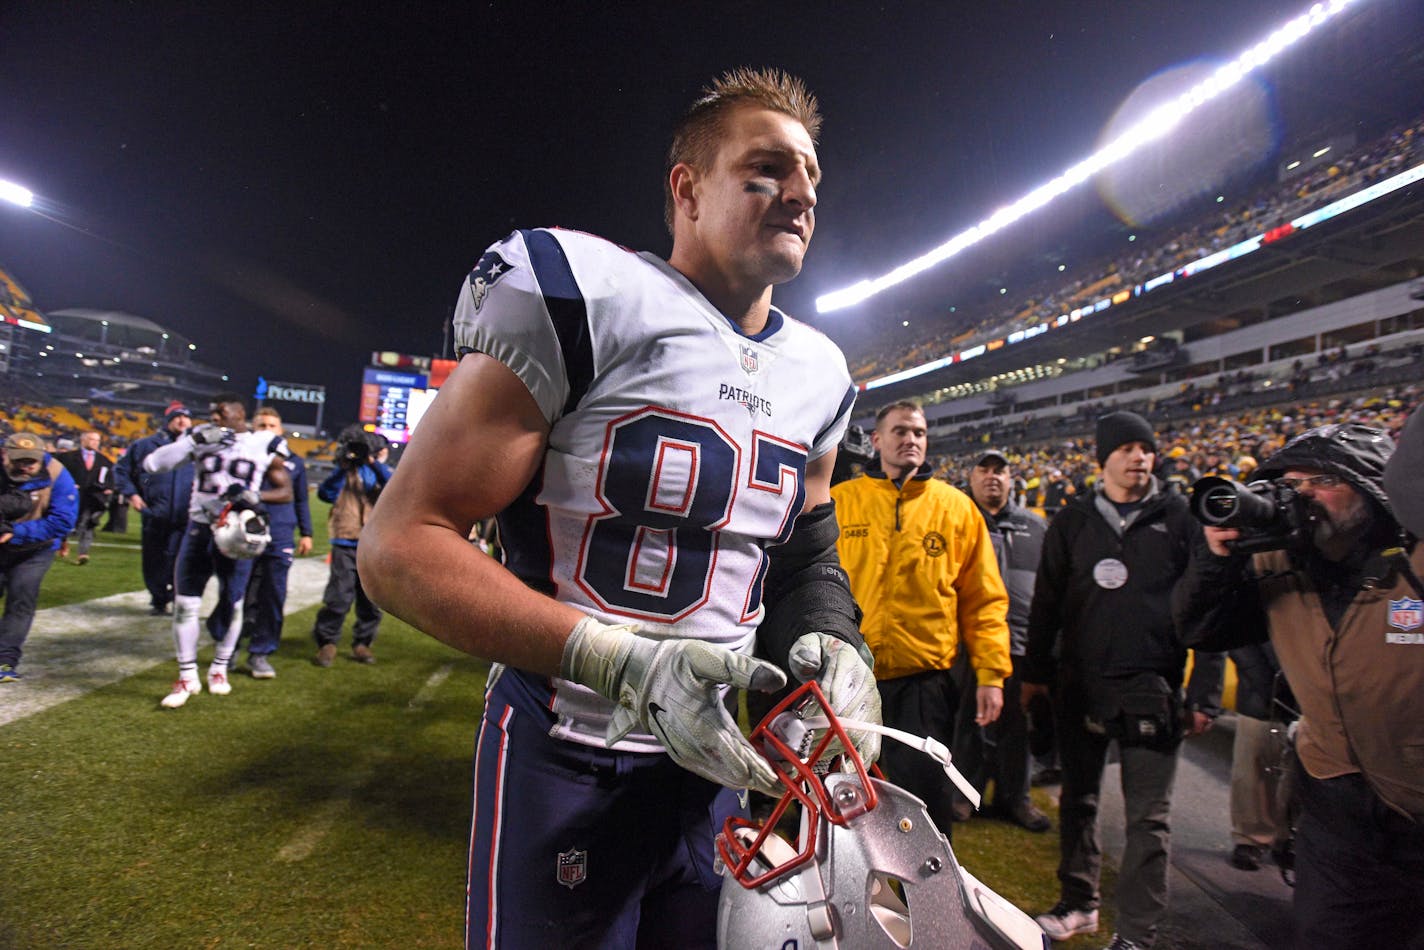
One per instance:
(396,394)
(385,401)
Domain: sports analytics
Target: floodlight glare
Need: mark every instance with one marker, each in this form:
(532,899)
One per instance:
(15,194)
(1155,125)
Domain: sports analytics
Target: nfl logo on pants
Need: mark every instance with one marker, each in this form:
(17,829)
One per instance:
(573,867)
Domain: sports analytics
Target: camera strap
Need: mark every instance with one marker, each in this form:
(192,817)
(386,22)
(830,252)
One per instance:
(1397,558)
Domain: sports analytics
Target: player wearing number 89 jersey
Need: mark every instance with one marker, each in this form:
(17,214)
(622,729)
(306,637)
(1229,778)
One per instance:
(229,464)
(656,440)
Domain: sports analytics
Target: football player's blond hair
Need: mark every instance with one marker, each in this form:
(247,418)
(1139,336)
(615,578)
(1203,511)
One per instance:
(268,411)
(699,133)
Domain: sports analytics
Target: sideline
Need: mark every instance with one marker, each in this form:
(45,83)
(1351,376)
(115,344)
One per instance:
(75,649)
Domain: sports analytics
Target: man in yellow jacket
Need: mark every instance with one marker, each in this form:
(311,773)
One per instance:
(923,570)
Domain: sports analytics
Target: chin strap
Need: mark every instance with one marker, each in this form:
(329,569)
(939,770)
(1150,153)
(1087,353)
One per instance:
(930,747)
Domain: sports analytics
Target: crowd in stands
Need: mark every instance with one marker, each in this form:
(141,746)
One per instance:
(62,426)
(1231,445)
(1273,205)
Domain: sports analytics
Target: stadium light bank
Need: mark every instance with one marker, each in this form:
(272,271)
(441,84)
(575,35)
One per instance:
(1155,125)
(16,194)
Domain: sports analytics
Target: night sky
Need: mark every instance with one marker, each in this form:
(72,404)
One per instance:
(292,186)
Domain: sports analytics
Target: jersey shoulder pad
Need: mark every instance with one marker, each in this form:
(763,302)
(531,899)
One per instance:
(522,305)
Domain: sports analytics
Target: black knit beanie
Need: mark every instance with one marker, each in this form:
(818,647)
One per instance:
(1119,428)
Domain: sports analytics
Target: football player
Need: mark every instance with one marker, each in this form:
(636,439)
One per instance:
(657,441)
(229,463)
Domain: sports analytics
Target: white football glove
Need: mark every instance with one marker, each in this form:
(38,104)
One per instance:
(670,688)
(846,680)
(209,437)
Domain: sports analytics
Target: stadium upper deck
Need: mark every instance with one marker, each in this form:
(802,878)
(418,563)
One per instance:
(1120,280)
(112,359)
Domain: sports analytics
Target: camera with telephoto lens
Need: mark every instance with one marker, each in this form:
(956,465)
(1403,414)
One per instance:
(354,447)
(355,453)
(1270,516)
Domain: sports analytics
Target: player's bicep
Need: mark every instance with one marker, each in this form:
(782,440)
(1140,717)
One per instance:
(278,475)
(477,447)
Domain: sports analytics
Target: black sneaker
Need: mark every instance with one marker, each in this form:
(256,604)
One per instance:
(1247,857)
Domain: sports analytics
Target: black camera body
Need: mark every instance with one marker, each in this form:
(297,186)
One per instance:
(15,504)
(1269,515)
(355,447)
(353,453)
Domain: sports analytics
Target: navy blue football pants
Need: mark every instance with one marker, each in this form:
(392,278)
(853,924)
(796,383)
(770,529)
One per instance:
(579,847)
(198,561)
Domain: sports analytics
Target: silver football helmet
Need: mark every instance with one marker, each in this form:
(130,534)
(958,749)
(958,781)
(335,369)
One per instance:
(868,870)
(241,535)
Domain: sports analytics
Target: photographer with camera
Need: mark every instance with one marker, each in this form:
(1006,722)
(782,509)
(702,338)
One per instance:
(351,489)
(1312,556)
(39,504)
(1100,631)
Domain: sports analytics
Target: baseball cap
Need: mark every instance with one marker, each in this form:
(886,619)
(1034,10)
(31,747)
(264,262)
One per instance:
(25,446)
(991,454)
(174,410)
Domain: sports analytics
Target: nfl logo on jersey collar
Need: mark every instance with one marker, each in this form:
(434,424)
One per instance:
(750,359)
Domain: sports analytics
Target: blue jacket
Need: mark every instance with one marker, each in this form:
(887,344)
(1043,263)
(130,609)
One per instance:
(165,493)
(56,520)
(374,476)
(294,515)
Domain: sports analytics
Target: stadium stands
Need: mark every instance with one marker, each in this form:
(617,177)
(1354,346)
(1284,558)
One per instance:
(1269,207)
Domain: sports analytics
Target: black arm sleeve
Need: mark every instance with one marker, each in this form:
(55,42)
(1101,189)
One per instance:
(1045,613)
(807,590)
(1216,605)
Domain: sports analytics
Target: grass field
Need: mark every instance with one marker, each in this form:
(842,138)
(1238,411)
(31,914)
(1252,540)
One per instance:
(325,808)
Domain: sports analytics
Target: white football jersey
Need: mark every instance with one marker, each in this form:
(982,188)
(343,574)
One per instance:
(242,463)
(678,445)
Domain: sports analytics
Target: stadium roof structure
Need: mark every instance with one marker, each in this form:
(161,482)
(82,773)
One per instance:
(113,358)
(117,328)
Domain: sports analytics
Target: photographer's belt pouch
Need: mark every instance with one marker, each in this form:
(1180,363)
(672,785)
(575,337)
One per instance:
(1137,710)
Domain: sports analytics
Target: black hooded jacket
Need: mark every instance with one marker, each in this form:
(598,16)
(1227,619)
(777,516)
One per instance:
(1088,622)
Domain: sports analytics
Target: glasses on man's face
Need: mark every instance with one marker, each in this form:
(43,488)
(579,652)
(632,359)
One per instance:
(1312,481)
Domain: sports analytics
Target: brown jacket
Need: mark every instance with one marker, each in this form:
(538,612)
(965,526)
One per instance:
(1361,688)
(351,510)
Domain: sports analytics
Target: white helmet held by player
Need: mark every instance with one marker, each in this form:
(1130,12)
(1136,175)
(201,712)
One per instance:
(868,869)
(241,535)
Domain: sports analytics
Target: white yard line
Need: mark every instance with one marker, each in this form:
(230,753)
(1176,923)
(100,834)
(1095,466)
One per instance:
(427,692)
(78,648)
